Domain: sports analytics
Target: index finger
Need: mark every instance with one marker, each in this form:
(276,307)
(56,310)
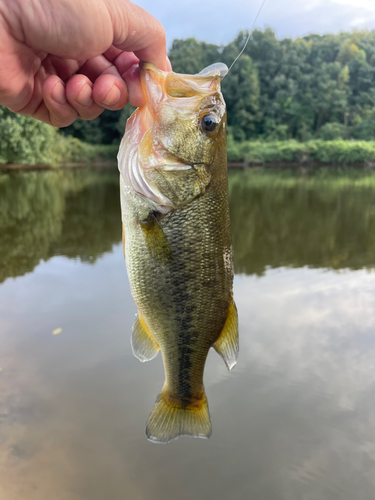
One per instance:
(135,30)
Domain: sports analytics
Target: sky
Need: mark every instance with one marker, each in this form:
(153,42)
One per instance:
(218,21)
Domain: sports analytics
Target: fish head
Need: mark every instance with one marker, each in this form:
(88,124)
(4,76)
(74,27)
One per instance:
(168,151)
(188,112)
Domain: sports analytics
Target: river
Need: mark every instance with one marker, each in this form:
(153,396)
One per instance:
(296,417)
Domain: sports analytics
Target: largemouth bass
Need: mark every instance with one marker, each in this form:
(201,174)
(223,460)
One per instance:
(177,244)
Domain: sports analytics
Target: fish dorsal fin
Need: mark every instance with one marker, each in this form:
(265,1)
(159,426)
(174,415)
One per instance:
(227,344)
(143,343)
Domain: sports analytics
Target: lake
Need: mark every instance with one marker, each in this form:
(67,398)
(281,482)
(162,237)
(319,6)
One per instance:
(296,417)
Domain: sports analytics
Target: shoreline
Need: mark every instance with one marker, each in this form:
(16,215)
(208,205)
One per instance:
(23,167)
(299,164)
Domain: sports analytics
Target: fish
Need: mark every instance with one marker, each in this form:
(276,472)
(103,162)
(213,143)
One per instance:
(177,243)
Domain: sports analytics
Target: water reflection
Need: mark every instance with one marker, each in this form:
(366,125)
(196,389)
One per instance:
(42,214)
(325,219)
(294,420)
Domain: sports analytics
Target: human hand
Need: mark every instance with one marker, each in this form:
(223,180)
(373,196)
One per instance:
(67,59)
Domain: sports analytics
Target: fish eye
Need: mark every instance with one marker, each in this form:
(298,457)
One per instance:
(209,122)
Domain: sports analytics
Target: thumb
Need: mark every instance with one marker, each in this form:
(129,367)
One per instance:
(135,30)
(83,29)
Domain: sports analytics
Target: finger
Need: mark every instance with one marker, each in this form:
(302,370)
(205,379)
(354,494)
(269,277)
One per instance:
(135,30)
(112,53)
(79,91)
(110,92)
(169,64)
(55,110)
(133,83)
(128,67)
(62,27)
(100,65)
(60,66)
(124,61)
(95,67)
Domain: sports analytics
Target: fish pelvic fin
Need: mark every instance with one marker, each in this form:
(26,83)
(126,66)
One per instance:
(171,419)
(227,345)
(144,345)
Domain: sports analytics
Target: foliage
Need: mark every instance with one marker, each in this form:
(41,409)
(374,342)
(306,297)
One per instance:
(24,139)
(291,89)
(331,152)
(311,88)
(102,130)
(333,130)
(68,149)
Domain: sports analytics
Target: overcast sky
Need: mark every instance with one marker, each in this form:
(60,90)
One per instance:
(218,21)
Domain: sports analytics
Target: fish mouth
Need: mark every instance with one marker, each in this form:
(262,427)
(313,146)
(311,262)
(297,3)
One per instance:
(174,167)
(156,83)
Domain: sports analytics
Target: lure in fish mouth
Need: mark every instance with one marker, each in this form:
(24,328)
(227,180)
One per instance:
(176,237)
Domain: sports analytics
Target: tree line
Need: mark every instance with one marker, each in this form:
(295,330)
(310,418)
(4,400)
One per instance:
(311,87)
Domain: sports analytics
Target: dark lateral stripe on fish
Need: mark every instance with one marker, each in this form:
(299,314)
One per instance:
(184,313)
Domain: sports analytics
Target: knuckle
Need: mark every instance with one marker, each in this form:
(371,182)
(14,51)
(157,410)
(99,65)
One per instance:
(91,115)
(63,121)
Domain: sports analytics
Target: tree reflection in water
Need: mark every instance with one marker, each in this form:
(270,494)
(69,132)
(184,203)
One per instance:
(42,214)
(279,218)
(325,219)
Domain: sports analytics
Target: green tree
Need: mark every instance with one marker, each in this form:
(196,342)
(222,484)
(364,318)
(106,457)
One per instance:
(24,139)
(190,56)
(241,91)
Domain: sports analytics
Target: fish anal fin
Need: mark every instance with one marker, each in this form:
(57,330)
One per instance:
(143,343)
(171,419)
(227,344)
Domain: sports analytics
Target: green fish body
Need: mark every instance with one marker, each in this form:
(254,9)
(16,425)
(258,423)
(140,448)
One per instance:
(177,244)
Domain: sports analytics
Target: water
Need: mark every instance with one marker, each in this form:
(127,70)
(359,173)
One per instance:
(294,420)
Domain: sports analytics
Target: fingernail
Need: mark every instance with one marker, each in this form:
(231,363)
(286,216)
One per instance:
(112,97)
(58,93)
(84,96)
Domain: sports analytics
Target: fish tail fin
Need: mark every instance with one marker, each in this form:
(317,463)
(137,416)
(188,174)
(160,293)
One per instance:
(170,419)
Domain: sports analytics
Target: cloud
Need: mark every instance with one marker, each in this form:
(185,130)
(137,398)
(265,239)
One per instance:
(358,4)
(218,21)
(320,333)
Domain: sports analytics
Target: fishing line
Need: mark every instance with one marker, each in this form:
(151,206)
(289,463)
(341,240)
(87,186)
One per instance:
(248,38)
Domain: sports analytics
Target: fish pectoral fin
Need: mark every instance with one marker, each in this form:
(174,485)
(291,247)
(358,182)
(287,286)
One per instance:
(227,345)
(143,343)
(157,243)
